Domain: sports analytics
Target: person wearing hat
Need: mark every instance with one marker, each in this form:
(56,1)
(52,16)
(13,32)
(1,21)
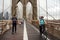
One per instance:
(41,24)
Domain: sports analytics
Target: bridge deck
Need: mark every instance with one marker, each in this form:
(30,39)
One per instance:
(31,32)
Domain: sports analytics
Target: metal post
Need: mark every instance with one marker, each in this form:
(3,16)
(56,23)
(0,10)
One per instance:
(47,18)
(46,11)
(2,14)
(39,9)
(2,9)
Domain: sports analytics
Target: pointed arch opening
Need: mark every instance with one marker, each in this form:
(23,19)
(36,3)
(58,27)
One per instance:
(29,11)
(20,10)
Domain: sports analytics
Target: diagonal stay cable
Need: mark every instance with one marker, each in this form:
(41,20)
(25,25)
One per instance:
(7,8)
(48,13)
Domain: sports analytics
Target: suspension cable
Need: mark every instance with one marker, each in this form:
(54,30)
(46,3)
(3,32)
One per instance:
(7,8)
(48,13)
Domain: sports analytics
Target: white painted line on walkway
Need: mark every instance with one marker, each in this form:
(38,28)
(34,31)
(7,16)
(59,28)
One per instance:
(25,36)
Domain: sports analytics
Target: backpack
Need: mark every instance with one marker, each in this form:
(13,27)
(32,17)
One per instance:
(42,22)
(14,20)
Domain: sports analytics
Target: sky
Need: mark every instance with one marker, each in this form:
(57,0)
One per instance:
(53,8)
(7,3)
(7,7)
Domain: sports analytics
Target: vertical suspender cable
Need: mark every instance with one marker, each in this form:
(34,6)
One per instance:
(39,8)
(59,9)
(46,12)
(2,13)
(56,10)
(2,9)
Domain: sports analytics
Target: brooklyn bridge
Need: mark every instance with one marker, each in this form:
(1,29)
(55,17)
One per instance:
(28,13)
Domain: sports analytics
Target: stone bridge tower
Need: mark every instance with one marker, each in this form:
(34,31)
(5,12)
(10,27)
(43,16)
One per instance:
(24,2)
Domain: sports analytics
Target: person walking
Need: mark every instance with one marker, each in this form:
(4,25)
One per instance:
(14,24)
(41,25)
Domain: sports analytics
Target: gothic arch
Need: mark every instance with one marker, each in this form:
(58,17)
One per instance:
(20,10)
(29,11)
(24,2)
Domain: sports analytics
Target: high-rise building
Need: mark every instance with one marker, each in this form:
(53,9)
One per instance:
(1,16)
(6,16)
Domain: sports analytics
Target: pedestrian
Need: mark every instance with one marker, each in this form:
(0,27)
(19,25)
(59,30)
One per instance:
(41,25)
(14,24)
